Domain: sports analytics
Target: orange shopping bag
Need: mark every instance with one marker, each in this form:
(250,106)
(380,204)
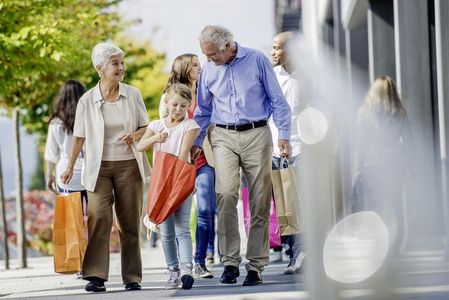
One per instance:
(69,242)
(172,181)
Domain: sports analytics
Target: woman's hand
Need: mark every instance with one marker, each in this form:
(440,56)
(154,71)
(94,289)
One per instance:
(51,183)
(132,137)
(128,138)
(67,175)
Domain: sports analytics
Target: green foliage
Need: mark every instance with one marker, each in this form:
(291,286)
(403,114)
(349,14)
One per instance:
(144,70)
(42,44)
(46,42)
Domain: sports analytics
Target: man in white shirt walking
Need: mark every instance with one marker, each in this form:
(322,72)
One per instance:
(286,74)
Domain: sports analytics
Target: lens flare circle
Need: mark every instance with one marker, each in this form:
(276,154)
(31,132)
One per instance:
(312,126)
(356,247)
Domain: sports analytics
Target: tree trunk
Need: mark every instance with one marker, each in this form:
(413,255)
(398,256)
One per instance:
(20,220)
(3,220)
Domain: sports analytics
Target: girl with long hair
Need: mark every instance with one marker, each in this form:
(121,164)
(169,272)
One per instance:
(382,154)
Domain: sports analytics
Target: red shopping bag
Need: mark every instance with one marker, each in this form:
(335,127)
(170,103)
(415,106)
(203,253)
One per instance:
(172,181)
(275,237)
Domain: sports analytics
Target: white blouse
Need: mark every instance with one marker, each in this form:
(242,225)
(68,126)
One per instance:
(57,150)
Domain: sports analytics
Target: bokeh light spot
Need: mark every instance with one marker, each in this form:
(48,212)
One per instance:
(356,247)
(312,126)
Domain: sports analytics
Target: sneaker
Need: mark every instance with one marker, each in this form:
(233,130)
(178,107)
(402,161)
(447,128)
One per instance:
(187,279)
(95,285)
(291,268)
(210,259)
(173,278)
(294,267)
(300,262)
(202,272)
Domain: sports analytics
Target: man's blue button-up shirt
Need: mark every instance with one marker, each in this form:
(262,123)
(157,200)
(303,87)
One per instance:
(243,91)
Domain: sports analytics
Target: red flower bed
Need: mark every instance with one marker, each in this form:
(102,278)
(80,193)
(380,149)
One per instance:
(39,215)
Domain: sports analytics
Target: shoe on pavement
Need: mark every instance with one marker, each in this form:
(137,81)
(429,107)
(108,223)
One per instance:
(95,285)
(187,278)
(210,258)
(252,278)
(230,275)
(133,286)
(173,278)
(202,272)
(294,267)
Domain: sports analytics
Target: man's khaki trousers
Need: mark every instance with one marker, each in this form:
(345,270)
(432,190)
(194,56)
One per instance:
(251,151)
(119,183)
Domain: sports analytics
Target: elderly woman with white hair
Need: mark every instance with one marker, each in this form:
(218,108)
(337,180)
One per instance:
(110,119)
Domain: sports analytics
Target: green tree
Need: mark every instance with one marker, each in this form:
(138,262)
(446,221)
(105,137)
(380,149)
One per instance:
(144,70)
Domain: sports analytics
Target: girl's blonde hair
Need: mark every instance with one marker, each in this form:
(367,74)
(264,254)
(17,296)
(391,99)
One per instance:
(176,89)
(382,100)
(180,90)
(180,70)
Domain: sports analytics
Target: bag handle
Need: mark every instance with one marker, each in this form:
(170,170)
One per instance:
(65,190)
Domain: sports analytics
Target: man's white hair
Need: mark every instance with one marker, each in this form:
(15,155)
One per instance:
(217,36)
(102,53)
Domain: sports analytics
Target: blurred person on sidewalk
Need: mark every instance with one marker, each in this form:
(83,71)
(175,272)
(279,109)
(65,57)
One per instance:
(59,141)
(286,74)
(186,70)
(238,92)
(110,118)
(383,156)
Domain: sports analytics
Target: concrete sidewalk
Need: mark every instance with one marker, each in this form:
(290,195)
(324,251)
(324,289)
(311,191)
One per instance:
(40,276)
(40,282)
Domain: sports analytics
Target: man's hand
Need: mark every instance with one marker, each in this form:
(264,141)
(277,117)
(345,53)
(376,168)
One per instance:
(195,152)
(285,148)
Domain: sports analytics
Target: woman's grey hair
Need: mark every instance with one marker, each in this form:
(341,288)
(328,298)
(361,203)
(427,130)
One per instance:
(102,52)
(217,36)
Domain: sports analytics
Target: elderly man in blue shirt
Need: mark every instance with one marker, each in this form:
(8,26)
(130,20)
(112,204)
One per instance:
(238,92)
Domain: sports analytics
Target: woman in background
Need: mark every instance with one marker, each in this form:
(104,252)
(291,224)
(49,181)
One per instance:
(59,141)
(382,154)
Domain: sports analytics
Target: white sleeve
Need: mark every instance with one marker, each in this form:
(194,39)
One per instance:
(192,125)
(51,145)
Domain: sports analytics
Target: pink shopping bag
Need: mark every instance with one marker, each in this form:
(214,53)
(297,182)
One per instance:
(275,237)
